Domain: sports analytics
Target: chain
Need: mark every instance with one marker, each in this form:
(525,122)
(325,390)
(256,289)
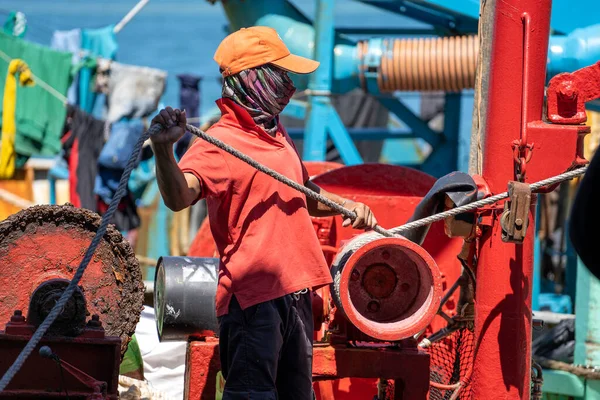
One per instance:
(522,153)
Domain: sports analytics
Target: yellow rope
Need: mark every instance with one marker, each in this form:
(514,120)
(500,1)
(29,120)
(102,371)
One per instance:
(39,81)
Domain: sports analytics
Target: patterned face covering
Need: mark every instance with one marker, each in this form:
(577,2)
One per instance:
(263,91)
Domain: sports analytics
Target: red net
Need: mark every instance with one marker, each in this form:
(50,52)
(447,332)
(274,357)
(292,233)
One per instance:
(452,363)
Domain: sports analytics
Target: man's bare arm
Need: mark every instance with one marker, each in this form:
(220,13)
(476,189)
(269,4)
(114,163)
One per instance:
(178,190)
(364,215)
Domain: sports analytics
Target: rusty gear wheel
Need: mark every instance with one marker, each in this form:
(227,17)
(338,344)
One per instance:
(48,242)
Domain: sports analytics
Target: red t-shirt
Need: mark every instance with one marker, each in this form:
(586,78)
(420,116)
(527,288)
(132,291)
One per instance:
(263,232)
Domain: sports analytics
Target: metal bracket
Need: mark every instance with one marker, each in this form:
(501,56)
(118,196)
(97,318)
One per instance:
(568,92)
(515,217)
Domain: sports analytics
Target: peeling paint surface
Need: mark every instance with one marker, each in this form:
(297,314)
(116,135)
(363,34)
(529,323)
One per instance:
(47,242)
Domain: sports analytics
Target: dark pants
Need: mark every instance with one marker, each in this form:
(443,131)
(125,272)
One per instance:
(266,350)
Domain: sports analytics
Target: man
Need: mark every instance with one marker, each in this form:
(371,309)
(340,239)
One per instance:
(270,255)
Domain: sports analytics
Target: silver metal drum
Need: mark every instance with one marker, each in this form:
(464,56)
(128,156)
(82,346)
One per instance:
(184,297)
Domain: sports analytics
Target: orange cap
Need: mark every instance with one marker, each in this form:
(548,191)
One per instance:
(256,46)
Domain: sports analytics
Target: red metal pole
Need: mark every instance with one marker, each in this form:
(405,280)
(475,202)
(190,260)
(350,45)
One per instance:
(512,93)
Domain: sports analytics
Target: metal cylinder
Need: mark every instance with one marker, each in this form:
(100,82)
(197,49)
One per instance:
(390,288)
(184,297)
(425,64)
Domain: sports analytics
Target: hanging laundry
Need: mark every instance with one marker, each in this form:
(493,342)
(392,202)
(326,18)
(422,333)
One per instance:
(83,149)
(145,173)
(189,100)
(69,41)
(98,43)
(102,75)
(40,115)
(134,92)
(119,146)
(189,94)
(126,217)
(111,164)
(9,128)
(16,24)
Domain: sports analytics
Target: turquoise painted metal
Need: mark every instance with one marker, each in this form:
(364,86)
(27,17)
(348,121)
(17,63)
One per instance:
(296,30)
(445,16)
(566,53)
(452,153)
(559,385)
(566,15)
(576,50)
(587,322)
(323,119)
(159,226)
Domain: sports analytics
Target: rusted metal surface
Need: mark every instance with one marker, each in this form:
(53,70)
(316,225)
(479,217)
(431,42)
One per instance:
(390,289)
(329,363)
(568,93)
(48,242)
(515,218)
(392,192)
(71,320)
(90,363)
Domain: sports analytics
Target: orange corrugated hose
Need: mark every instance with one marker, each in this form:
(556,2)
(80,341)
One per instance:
(426,64)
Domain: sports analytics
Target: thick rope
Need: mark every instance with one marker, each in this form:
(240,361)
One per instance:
(274,174)
(581,371)
(350,214)
(66,295)
(365,238)
(14,200)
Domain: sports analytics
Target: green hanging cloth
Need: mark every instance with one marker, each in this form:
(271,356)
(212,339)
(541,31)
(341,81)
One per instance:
(40,115)
(16,24)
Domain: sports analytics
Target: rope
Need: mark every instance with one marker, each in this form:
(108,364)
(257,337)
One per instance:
(583,372)
(350,214)
(146,260)
(39,81)
(274,174)
(361,240)
(66,295)
(14,200)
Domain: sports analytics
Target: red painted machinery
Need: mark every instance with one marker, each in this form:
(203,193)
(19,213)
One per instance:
(387,291)
(401,320)
(385,295)
(78,358)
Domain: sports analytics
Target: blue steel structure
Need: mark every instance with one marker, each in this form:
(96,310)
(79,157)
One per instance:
(323,119)
(341,67)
